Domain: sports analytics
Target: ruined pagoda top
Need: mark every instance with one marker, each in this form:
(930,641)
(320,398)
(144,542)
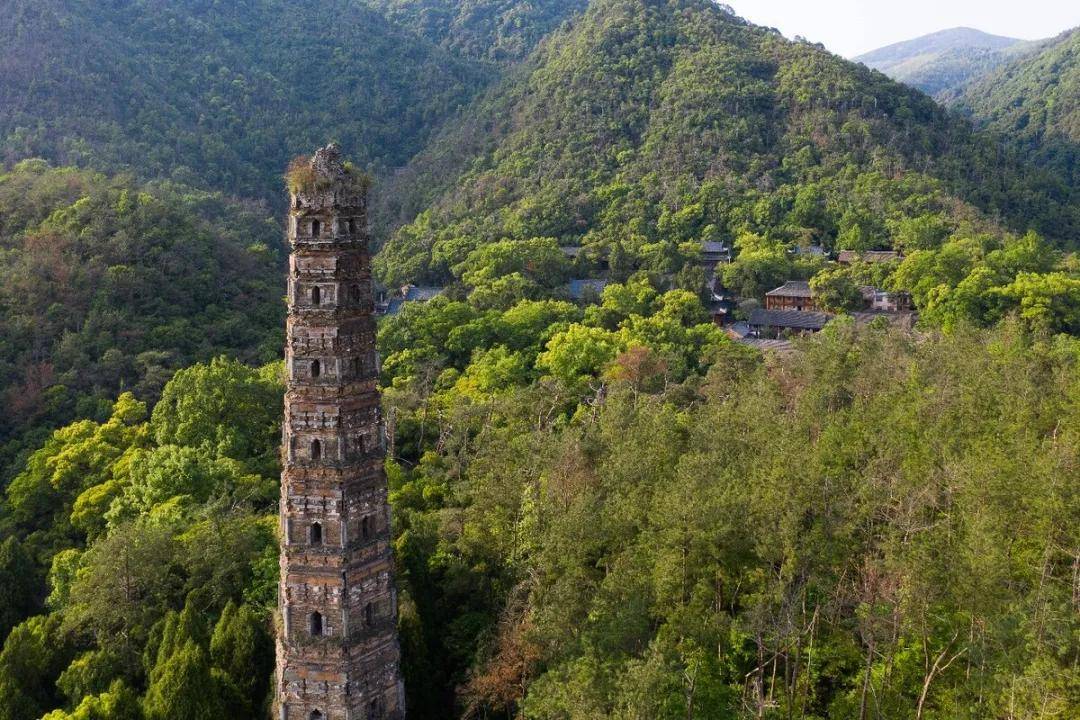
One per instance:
(325,181)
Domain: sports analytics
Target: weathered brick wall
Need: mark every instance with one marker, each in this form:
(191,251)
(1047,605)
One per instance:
(338,653)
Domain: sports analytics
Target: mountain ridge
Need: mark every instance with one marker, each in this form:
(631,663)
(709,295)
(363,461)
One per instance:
(942,62)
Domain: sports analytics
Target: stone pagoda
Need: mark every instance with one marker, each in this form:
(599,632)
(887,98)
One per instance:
(337,649)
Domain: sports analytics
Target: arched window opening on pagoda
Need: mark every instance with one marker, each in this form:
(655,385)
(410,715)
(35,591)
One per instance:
(365,527)
(316,624)
(352,226)
(354,293)
(316,369)
(316,449)
(316,226)
(315,715)
(316,295)
(369,615)
(316,533)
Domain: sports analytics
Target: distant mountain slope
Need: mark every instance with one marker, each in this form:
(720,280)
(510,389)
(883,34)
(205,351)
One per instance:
(647,125)
(218,94)
(1035,103)
(499,30)
(944,61)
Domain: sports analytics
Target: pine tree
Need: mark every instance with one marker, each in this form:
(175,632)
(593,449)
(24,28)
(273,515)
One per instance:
(242,650)
(184,687)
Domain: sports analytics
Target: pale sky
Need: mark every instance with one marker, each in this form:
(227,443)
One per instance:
(852,27)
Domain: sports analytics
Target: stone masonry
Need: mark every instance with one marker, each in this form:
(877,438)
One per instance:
(337,650)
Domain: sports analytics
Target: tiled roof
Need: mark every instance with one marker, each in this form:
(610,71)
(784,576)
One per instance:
(422,293)
(578,288)
(780,346)
(795,319)
(411,293)
(870,256)
(792,288)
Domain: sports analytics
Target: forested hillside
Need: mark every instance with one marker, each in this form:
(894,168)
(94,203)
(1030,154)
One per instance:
(497,30)
(214,94)
(1034,102)
(157,535)
(942,63)
(875,527)
(646,129)
(604,507)
(106,284)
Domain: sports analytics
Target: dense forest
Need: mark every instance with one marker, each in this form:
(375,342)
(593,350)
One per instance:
(876,527)
(218,94)
(647,129)
(1034,102)
(495,30)
(603,505)
(107,284)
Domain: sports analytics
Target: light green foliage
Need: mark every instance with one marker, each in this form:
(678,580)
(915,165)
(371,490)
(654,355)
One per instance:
(577,353)
(850,515)
(979,279)
(229,408)
(62,573)
(1047,302)
(836,290)
(165,526)
(537,259)
(75,459)
(168,471)
(492,371)
(90,673)
(760,266)
(118,703)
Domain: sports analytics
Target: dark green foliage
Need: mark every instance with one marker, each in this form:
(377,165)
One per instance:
(106,284)
(1034,103)
(241,647)
(217,94)
(19,585)
(499,30)
(34,654)
(183,686)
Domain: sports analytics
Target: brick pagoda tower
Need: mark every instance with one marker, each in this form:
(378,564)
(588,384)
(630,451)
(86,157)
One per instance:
(337,651)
